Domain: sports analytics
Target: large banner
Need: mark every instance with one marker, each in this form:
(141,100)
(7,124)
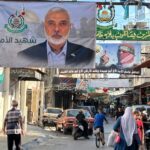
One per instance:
(122,22)
(113,58)
(117,57)
(120,83)
(47,34)
(90,84)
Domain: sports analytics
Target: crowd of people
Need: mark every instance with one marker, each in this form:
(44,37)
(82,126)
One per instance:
(129,127)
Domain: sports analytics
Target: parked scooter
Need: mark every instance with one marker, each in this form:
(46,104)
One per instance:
(78,130)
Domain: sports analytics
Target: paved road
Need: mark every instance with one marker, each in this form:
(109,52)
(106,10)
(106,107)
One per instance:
(63,143)
(49,139)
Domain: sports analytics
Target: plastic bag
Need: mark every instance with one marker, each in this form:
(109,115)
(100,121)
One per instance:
(111,139)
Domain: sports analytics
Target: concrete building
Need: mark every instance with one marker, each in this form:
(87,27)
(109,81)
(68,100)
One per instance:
(141,83)
(26,85)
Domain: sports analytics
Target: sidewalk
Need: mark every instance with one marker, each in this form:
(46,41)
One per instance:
(32,134)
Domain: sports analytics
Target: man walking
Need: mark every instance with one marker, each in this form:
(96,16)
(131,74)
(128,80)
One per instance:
(13,126)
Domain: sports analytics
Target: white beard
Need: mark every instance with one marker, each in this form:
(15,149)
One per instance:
(54,41)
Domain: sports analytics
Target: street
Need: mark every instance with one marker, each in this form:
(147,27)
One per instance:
(49,139)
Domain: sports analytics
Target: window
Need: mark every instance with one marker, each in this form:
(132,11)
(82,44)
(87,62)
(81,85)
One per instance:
(72,113)
(54,111)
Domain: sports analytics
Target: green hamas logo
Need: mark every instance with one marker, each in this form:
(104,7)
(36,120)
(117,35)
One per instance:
(105,14)
(16,23)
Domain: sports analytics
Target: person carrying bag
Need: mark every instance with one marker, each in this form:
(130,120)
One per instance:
(126,128)
(113,138)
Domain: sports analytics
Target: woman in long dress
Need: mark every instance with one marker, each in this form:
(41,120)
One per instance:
(127,130)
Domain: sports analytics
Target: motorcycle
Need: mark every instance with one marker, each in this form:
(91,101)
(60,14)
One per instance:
(78,130)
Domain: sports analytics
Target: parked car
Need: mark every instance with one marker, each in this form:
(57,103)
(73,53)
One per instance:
(68,117)
(50,116)
(91,109)
(141,108)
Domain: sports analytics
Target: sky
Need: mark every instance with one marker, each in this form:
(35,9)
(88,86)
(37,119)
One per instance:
(119,11)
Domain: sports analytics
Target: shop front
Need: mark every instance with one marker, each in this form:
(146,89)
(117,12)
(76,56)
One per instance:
(143,93)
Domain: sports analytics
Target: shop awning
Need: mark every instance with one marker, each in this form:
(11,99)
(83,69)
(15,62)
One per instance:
(146,84)
(145,64)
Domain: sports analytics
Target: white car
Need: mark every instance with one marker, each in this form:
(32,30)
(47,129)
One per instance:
(141,108)
(50,116)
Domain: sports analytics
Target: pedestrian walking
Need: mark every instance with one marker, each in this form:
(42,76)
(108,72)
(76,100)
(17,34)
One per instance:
(119,113)
(13,126)
(126,128)
(140,126)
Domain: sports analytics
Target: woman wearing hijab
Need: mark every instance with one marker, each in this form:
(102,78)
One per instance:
(127,130)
